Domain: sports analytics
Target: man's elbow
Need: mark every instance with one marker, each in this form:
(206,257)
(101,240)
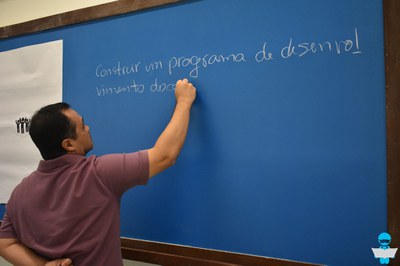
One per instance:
(160,161)
(169,160)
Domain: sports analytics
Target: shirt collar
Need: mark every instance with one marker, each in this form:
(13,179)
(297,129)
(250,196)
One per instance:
(46,165)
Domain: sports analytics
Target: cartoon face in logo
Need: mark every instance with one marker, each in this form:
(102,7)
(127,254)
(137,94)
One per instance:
(384,239)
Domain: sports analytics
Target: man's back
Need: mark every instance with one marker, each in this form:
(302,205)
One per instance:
(69,207)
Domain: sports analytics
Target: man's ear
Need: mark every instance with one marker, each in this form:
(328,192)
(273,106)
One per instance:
(68,145)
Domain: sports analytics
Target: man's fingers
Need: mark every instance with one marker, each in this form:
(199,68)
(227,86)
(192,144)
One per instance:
(66,262)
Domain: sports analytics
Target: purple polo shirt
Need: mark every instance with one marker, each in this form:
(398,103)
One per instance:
(69,206)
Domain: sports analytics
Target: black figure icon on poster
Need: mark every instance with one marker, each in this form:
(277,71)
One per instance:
(22,124)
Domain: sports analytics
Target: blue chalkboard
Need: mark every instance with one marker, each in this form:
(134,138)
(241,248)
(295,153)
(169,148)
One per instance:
(2,211)
(285,155)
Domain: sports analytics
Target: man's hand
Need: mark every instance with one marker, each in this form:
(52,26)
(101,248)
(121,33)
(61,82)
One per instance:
(59,262)
(185,91)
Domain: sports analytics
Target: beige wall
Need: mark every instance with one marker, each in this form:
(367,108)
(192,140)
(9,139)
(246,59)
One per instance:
(17,11)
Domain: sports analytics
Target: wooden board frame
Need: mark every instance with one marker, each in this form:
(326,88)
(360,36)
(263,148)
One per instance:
(392,70)
(168,254)
(171,254)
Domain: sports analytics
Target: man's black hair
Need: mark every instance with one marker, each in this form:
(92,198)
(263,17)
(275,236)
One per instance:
(49,127)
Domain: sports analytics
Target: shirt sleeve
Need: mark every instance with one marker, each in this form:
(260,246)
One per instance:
(120,172)
(6,228)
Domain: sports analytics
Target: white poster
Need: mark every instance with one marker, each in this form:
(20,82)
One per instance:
(30,77)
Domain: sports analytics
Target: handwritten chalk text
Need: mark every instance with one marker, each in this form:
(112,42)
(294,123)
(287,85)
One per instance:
(117,70)
(192,65)
(301,49)
(196,62)
(133,87)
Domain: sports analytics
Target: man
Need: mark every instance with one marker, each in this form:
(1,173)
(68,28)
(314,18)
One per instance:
(69,206)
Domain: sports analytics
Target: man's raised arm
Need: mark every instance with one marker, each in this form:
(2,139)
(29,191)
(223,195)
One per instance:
(169,144)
